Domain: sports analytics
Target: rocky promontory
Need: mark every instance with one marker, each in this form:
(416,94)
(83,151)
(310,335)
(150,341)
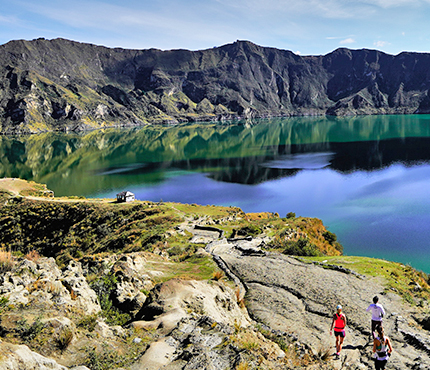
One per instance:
(218,289)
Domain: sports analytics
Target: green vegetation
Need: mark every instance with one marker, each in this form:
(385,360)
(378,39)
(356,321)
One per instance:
(198,267)
(67,230)
(104,286)
(73,229)
(87,322)
(3,304)
(105,358)
(300,247)
(248,230)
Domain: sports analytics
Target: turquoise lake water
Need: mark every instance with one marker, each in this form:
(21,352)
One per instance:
(367,178)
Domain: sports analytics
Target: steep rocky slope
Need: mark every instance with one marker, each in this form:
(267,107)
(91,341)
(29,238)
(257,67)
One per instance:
(60,84)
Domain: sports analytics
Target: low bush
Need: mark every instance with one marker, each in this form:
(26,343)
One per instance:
(32,255)
(104,287)
(300,247)
(88,322)
(248,230)
(329,236)
(64,338)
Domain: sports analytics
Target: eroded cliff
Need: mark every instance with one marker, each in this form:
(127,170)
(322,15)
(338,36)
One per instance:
(64,85)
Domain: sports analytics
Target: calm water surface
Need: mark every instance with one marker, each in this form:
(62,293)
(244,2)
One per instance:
(367,178)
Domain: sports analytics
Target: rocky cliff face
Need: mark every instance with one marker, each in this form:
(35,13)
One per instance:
(61,84)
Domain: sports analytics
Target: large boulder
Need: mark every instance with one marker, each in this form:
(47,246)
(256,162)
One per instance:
(14,357)
(43,284)
(176,299)
(80,292)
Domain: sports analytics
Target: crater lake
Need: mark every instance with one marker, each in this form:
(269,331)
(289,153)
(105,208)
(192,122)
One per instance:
(367,178)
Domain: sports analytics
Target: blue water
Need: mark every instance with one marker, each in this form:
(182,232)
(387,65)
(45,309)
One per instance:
(366,178)
(383,214)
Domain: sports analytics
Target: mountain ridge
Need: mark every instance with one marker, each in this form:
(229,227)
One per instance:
(58,84)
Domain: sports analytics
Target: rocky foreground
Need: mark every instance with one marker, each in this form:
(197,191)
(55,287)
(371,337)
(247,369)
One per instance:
(276,315)
(98,285)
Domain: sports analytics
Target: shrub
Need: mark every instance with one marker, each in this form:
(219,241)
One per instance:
(329,236)
(250,229)
(64,338)
(175,251)
(250,346)
(104,287)
(29,332)
(3,303)
(88,322)
(300,247)
(103,360)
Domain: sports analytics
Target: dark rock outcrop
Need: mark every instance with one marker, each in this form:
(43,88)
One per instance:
(65,85)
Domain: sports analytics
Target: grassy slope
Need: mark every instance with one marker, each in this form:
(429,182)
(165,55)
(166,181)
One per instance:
(68,228)
(72,228)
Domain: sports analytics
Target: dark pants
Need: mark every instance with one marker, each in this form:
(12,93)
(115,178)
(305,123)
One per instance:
(375,324)
(380,365)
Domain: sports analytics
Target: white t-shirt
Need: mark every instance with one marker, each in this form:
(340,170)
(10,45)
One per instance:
(377,311)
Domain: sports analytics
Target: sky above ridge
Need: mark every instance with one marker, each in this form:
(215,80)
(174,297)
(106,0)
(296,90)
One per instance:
(307,27)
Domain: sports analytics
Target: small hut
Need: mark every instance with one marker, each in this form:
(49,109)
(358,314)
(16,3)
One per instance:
(125,196)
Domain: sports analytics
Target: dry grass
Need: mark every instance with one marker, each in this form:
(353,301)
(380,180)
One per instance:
(324,352)
(260,216)
(240,301)
(6,261)
(73,295)
(33,255)
(242,366)
(218,275)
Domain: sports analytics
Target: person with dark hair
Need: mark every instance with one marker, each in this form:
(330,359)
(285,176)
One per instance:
(382,348)
(378,313)
(339,324)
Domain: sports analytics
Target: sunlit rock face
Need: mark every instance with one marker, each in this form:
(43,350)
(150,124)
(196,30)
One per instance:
(65,85)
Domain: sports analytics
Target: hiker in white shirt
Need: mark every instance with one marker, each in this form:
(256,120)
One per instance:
(378,313)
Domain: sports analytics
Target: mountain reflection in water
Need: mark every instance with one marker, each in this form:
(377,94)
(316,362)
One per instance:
(365,177)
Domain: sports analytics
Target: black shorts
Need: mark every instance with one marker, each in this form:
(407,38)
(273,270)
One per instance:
(340,333)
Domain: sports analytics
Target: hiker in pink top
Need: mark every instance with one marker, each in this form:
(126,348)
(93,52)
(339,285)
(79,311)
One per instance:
(339,323)
(378,313)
